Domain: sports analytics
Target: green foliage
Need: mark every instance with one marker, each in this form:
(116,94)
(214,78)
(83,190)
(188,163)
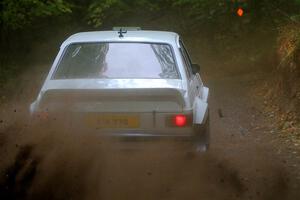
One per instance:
(101,9)
(97,10)
(18,13)
(203,9)
(297,2)
(212,9)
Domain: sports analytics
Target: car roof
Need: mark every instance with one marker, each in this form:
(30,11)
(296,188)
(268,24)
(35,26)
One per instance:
(130,36)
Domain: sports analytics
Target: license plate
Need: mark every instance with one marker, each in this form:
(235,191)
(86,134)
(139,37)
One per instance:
(113,121)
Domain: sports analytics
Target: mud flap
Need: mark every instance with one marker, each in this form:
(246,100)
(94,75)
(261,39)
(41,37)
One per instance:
(200,111)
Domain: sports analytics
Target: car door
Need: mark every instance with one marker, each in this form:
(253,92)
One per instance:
(194,79)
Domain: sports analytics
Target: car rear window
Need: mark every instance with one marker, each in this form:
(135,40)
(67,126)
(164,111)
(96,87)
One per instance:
(117,60)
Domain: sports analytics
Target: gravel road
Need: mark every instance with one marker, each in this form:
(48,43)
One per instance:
(246,159)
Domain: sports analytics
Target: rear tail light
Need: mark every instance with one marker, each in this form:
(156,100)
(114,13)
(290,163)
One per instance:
(180,120)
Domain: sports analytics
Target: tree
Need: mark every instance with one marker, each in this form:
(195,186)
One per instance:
(16,14)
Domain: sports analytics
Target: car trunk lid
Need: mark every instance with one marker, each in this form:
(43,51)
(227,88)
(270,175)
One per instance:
(113,100)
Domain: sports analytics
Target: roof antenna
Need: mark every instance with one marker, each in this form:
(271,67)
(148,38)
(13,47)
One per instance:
(121,32)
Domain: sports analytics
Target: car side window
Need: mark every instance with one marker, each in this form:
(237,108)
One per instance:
(187,59)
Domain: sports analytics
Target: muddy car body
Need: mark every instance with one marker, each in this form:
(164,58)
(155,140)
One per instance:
(131,84)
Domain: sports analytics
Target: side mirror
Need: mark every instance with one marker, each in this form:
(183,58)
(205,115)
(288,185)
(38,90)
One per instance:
(195,68)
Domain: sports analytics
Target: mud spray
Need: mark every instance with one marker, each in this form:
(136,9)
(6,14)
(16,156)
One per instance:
(52,163)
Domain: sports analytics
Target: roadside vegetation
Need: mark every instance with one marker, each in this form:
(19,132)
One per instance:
(281,91)
(28,22)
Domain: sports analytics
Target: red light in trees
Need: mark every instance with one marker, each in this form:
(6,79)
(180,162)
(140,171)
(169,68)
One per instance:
(240,12)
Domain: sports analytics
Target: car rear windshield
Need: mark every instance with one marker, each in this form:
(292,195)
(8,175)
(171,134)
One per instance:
(117,60)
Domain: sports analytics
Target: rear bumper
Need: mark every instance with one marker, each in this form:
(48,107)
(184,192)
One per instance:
(200,136)
(195,133)
(147,136)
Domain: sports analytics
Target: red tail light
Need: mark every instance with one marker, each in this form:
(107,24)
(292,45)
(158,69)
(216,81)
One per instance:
(180,120)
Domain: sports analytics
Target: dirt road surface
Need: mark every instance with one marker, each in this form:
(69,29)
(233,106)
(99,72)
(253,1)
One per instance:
(246,159)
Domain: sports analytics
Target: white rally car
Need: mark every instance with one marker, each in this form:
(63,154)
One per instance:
(126,83)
